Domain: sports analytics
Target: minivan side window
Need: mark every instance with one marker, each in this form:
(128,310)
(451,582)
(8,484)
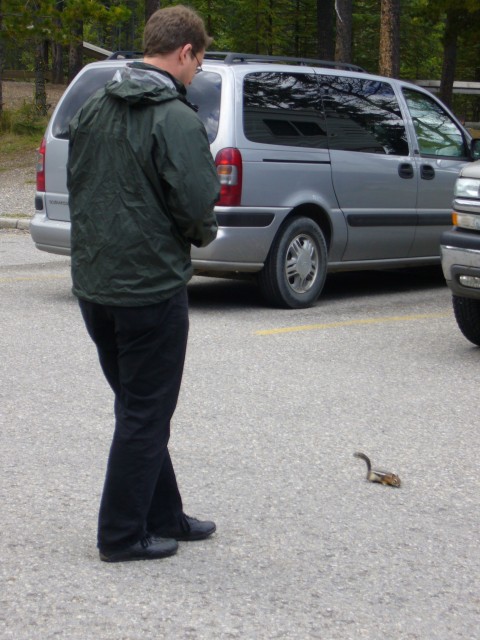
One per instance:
(363,115)
(204,93)
(437,134)
(283,109)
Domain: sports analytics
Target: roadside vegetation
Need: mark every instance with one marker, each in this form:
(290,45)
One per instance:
(408,39)
(23,123)
(21,127)
(17,150)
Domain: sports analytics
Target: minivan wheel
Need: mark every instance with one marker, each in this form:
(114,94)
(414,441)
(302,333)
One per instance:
(467,315)
(296,267)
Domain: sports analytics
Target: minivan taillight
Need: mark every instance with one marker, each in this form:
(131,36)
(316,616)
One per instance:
(229,171)
(41,167)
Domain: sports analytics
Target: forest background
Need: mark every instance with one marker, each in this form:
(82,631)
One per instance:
(409,39)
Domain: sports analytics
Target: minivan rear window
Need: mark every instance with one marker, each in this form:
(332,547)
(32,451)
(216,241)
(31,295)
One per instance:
(204,92)
(85,86)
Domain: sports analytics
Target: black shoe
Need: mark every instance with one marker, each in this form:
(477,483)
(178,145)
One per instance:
(187,529)
(148,548)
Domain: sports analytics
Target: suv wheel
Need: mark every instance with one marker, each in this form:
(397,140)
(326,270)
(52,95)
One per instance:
(467,315)
(295,270)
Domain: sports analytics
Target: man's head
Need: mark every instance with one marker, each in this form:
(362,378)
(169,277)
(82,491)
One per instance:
(175,39)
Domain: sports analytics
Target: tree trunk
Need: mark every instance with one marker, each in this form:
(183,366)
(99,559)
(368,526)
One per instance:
(75,54)
(40,91)
(450,39)
(325,29)
(57,64)
(58,76)
(389,63)
(1,58)
(343,42)
(270,28)
(209,17)
(150,7)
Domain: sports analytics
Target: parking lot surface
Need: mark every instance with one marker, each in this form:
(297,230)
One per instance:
(274,404)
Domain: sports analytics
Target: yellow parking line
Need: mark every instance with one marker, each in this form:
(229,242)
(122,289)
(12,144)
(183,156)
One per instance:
(349,323)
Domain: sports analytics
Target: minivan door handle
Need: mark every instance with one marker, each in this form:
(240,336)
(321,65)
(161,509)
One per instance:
(427,172)
(405,170)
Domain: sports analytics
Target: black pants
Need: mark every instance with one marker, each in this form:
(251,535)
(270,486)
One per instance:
(142,353)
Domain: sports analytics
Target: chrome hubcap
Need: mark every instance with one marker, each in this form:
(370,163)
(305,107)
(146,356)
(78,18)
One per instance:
(301,266)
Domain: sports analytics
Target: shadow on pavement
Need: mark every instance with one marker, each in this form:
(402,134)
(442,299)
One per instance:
(203,292)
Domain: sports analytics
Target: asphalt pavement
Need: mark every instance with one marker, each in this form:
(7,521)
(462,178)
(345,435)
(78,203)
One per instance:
(273,406)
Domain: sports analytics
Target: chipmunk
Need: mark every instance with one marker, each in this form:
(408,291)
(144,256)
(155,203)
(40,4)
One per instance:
(374,475)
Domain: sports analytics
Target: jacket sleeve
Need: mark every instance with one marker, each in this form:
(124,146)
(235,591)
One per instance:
(189,176)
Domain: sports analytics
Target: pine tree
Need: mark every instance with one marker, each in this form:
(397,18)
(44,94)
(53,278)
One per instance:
(389,49)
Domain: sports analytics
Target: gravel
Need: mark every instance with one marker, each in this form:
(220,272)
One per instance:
(17,176)
(17,192)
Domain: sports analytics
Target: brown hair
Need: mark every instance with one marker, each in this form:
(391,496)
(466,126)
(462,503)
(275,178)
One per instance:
(173,27)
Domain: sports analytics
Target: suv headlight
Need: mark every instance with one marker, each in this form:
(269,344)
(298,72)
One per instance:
(467,188)
(466,220)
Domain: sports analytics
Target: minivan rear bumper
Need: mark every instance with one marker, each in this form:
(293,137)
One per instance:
(48,235)
(244,238)
(242,243)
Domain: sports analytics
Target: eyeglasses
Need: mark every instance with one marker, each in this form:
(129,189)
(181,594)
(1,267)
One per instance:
(199,66)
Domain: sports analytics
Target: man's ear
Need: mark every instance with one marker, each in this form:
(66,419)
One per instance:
(185,51)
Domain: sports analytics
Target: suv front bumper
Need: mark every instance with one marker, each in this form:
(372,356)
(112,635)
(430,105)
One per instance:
(460,253)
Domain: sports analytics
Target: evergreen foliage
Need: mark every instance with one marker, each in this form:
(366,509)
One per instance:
(32,28)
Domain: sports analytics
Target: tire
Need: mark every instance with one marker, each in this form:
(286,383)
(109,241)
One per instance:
(296,266)
(467,315)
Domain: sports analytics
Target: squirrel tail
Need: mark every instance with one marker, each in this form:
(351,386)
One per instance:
(357,454)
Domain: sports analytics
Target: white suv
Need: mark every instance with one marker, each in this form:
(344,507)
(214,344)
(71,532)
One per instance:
(461,253)
(323,168)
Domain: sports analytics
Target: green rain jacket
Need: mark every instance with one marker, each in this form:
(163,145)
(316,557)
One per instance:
(142,187)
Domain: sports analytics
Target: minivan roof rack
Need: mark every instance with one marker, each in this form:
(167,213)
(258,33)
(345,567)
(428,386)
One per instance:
(229,57)
(116,55)
(240,58)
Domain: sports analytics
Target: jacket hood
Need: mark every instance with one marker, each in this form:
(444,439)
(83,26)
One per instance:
(141,83)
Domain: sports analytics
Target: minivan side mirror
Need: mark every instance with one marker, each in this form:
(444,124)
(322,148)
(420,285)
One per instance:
(475,149)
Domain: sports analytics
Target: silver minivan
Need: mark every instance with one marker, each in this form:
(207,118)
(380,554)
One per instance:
(323,167)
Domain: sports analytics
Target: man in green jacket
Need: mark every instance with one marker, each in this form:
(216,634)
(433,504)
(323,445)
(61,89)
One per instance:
(142,187)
